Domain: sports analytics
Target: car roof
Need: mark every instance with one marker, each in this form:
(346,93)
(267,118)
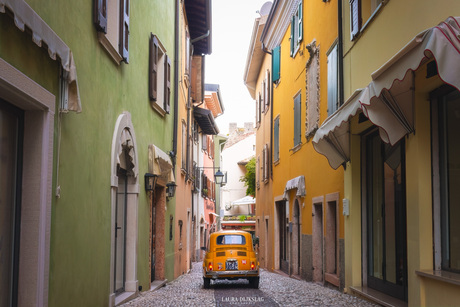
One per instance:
(230,232)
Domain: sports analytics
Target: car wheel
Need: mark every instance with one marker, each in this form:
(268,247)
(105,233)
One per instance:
(254,282)
(206,282)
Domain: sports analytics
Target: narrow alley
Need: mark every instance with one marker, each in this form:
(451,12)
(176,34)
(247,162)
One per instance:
(275,290)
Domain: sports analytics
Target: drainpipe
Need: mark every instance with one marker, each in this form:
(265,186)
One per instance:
(340,52)
(176,84)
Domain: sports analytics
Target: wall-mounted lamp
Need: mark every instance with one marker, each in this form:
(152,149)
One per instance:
(170,189)
(150,181)
(219,176)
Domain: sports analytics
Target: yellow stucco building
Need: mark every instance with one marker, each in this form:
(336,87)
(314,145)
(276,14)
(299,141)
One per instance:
(396,137)
(298,195)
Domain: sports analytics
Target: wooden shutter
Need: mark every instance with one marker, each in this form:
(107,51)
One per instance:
(266,162)
(355,18)
(292,38)
(276,63)
(124,30)
(300,23)
(277,139)
(167,106)
(100,15)
(153,69)
(297,118)
(332,81)
(267,89)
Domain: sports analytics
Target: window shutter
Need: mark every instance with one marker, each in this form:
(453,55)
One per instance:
(276,63)
(167,84)
(355,18)
(277,139)
(153,69)
(266,163)
(204,142)
(100,15)
(257,109)
(267,90)
(332,81)
(292,38)
(300,23)
(297,117)
(124,30)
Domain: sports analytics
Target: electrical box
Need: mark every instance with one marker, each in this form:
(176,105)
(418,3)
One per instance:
(346,207)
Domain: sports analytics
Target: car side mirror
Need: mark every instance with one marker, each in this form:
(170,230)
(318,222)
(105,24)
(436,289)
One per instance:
(203,248)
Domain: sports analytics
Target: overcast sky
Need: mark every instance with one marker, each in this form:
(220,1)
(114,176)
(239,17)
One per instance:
(232,23)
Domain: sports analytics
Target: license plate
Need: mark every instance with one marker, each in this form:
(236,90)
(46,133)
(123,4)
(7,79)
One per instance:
(231,265)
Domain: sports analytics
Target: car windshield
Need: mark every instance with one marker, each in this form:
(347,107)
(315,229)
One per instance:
(230,239)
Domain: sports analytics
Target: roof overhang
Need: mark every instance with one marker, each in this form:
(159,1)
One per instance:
(255,56)
(389,99)
(213,99)
(278,21)
(199,16)
(205,120)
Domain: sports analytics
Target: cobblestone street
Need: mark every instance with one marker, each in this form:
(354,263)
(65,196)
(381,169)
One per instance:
(274,290)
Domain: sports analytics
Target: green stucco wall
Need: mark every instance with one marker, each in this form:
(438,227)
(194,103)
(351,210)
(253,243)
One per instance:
(81,216)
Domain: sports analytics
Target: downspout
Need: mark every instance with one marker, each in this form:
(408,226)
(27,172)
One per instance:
(264,49)
(340,53)
(176,85)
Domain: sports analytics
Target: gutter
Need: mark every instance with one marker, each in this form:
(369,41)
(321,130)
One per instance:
(340,52)
(176,85)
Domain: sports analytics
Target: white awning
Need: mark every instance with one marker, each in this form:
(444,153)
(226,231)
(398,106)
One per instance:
(24,16)
(388,100)
(247,200)
(160,164)
(295,183)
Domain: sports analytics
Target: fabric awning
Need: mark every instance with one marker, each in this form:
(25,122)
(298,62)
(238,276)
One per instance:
(160,164)
(206,121)
(247,200)
(388,100)
(295,183)
(24,16)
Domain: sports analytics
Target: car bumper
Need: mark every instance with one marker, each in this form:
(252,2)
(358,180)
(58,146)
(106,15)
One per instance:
(231,274)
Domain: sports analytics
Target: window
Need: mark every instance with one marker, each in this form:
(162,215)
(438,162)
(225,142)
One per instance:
(111,19)
(276,64)
(230,239)
(276,143)
(296,30)
(266,89)
(446,179)
(159,76)
(332,81)
(266,163)
(361,12)
(258,109)
(297,120)
(184,146)
(204,142)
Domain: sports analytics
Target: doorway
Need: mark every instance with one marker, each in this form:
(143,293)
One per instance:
(11,135)
(296,239)
(385,213)
(317,257)
(283,226)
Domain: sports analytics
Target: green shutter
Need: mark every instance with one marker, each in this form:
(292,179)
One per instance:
(276,64)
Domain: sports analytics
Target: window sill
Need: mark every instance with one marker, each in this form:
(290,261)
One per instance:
(158,108)
(109,48)
(296,148)
(276,162)
(443,276)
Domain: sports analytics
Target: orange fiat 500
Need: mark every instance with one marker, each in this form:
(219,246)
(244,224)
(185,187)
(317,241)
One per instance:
(230,254)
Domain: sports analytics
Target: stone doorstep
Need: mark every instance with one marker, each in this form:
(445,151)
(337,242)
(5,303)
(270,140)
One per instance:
(377,297)
(157,284)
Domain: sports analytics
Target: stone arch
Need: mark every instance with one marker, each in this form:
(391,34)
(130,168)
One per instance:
(124,160)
